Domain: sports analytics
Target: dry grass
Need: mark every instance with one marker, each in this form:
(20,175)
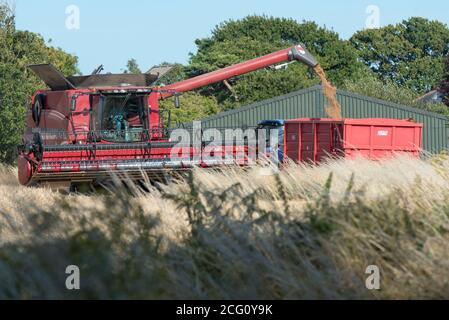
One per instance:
(307,233)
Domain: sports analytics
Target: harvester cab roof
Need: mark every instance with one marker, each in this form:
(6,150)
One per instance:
(56,81)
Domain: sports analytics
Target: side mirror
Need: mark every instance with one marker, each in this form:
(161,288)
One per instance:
(73,103)
(177,101)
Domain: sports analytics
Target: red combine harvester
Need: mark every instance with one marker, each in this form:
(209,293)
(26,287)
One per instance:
(84,127)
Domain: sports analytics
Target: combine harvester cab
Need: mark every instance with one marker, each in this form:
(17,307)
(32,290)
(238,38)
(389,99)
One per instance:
(85,127)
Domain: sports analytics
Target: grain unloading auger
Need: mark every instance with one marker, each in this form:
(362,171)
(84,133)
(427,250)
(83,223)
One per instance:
(84,127)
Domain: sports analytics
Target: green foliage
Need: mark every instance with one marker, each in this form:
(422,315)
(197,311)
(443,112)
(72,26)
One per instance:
(17,84)
(64,62)
(444,85)
(178,73)
(410,53)
(193,107)
(388,90)
(236,41)
(265,84)
(132,67)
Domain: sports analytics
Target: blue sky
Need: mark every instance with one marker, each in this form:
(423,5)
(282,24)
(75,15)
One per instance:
(154,31)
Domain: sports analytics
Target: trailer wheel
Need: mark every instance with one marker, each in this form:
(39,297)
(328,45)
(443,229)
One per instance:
(37,109)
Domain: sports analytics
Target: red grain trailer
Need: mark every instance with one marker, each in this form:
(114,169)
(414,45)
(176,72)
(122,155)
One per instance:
(313,140)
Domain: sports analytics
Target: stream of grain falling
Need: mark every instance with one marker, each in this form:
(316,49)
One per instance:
(333,108)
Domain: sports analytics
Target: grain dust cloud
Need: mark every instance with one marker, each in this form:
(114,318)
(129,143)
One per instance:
(333,108)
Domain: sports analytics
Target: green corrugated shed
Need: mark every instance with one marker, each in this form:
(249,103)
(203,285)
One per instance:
(309,103)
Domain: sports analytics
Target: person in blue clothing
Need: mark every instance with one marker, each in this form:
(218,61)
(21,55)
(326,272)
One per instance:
(278,148)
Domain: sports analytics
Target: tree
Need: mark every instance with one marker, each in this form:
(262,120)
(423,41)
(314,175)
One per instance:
(17,84)
(410,53)
(132,67)
(64,62)
(176,74)
(388,90)
(193,107)
(444,85)
(239,40)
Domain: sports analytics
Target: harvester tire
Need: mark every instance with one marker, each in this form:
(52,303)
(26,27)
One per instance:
(37,109)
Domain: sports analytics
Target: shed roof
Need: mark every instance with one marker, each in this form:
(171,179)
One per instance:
(319,88)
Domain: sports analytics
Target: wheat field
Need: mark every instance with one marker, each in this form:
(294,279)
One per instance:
(304,233)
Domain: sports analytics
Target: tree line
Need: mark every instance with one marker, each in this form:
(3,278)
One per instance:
(17,84)
(398,63)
